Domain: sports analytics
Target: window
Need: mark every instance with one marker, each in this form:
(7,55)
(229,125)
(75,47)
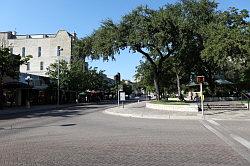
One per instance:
(41,65)
(59,49)
(39,51)
(23,52)
(28,66)
(11,50)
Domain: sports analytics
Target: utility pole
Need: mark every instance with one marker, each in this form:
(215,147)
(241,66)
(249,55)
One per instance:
(28,79)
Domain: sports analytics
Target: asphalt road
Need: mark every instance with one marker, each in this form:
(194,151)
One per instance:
(83,136)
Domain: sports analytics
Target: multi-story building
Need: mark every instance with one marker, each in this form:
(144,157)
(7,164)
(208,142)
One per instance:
(44,49)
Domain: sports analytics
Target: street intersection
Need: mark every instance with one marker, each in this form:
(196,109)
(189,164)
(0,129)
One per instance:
(84,135)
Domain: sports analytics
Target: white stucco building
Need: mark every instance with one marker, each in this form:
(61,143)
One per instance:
(43,47)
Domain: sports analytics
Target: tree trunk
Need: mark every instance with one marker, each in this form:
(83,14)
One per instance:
(156,84)
(178,85)
(210,81)
(1,93)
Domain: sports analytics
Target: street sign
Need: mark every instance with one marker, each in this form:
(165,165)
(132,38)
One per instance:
(122,96)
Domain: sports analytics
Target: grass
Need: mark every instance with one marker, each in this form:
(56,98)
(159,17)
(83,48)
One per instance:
(166,102)
(244,101)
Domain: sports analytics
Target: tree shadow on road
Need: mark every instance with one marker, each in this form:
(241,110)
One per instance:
(54,112)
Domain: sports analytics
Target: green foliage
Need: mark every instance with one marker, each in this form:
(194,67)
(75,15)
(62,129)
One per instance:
(144,74)
(127,87)
(9,67)
(9,64)
(64,73)
(152,33)
(227,43)
(74,77)
(81,48)
(189,36)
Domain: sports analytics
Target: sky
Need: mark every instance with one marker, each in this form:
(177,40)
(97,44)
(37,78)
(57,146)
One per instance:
(83,17)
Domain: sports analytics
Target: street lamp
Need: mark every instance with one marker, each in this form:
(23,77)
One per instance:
(28,79)
(11,48)
(58,74)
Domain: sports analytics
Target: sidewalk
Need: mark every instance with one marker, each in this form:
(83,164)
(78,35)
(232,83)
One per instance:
(16,110)
(138,110)
(37,108)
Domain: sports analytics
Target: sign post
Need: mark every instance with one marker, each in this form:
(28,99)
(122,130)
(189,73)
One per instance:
(200,80)
(122,98)
(118,98)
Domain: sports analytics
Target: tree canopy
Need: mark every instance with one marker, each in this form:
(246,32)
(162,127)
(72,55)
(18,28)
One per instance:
(76,77)
(194,34)
(9,67)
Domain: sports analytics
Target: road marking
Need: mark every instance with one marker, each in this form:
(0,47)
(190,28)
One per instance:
(213,122)
(241,140)
(214,131)
(244,153)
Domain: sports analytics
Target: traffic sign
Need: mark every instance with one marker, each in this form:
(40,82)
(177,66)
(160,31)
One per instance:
(122,96)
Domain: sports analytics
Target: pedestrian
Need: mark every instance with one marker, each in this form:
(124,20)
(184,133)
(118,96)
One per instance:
(197,100)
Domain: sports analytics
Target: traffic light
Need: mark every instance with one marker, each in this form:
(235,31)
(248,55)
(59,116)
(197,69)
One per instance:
(117,78)
(200,79)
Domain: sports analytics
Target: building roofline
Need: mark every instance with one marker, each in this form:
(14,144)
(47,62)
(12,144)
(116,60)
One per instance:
(49,35)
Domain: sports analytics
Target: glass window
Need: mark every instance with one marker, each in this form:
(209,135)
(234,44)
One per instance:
(11,50)
(28,66)
(23,52)
(58,50)
(41,65)
(39,51)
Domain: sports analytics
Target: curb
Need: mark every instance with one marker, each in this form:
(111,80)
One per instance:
(117,112)
(143,116)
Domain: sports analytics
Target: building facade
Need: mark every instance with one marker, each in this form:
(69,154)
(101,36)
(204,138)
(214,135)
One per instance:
(44,49)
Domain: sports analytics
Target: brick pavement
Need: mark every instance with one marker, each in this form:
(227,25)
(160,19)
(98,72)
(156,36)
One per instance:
(95,138)
(138,110)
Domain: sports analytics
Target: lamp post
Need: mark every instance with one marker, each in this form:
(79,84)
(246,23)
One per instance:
(28,79)
(58,74)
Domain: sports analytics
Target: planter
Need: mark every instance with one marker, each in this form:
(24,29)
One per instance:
(183,108)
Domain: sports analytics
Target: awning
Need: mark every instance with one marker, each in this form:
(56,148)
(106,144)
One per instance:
(190,84)
(223,82)
(15,85)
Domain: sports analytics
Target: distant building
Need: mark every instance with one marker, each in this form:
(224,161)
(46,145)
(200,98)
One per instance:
(44,48)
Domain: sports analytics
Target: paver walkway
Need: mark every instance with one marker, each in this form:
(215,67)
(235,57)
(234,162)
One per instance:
(138,110)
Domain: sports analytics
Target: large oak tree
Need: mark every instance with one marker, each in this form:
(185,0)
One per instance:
(188,31)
